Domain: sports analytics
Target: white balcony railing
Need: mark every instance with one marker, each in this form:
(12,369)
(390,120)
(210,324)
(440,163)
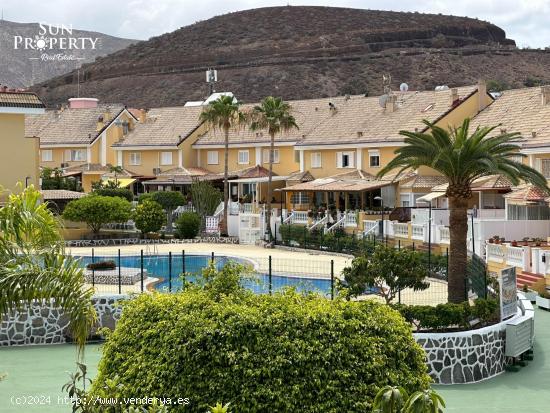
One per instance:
(495,252)
(400,230)
(418,231)
(350,219)
(370,227)
(299,217)
(514,256)
(444,235)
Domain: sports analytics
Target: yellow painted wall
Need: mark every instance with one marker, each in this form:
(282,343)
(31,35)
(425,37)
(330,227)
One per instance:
(285,166)
(88,179)
(18,155)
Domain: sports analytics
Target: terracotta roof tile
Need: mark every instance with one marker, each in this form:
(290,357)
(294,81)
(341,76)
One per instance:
(55,194)
(20,100)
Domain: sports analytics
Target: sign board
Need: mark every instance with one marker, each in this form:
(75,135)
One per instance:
(508,293)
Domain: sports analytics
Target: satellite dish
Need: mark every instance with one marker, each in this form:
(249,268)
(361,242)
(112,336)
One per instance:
(382,100)
(403,87)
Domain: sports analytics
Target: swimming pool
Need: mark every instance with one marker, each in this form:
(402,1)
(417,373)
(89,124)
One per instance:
(159,266)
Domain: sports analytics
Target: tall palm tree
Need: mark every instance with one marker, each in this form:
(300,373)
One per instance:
(275,115)
(33,264)
(462,158)
(223,113)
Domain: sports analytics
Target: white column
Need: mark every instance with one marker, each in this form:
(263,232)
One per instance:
(119,158)
(258,155)
(359,156)
(103,157)
(89,154)
(532,161)
(198,158)
(302,162)
(180,158)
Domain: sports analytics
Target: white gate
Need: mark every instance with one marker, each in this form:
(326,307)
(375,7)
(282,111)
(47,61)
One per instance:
(251,228)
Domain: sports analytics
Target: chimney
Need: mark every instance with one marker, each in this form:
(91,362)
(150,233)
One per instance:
(545,92)
(454,96)
(481,94)
(142,115)
(391,103)
(83,103)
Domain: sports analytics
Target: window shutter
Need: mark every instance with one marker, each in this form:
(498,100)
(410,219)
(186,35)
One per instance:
(338,159)
(68,155)
(351,156)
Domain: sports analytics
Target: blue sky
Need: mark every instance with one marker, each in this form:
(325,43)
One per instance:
(525,21)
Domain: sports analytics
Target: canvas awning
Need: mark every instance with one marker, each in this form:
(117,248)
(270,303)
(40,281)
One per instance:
(430,197)
(122,182)
(259,179)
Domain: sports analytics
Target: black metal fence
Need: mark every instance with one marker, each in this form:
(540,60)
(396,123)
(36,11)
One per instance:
(124,273)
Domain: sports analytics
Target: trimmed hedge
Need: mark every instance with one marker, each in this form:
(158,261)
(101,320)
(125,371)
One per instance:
(280,353)
(449,316)
(188,225)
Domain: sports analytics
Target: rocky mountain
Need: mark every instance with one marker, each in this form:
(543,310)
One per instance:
(24,63)
(301,52)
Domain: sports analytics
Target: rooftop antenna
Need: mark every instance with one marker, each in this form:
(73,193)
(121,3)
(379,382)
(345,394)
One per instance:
(211,78)
(386,83)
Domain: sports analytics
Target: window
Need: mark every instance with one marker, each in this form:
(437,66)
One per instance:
(545,167)
(405,200)
(125,127)
(135,158)
(275,156)
(374,158)
(46,155)
(345,159)
(243,157)
(75,155)
(316,159)
(166,158)
(299,198)
(517,158)
(212,157)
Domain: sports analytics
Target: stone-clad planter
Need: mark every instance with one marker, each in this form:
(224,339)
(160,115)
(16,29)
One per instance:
(466,356)
(46,324)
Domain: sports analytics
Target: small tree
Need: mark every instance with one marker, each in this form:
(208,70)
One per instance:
(188,225)
(387,269)
(169,200)
(391,399)
(149,217)
(205,198)
(97,210)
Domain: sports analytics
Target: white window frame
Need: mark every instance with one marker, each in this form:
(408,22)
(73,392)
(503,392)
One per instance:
(49,153)
(168,161)
(212,158)
(405,198)
(374,153)
(340,159)
(265,155)
(134,158)
(75,155)
(316,160)
(243,157)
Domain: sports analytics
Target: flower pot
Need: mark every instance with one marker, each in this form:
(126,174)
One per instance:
(531,295)
(514,243)
(491,241)
(543,302)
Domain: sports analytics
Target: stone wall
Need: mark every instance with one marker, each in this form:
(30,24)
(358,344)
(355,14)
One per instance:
(46,324)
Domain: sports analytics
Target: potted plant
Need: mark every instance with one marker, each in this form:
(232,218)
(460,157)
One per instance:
(525,241)
(543,297)
(502,240)
(491,241)
(528,293)
(514,243)
(537,241)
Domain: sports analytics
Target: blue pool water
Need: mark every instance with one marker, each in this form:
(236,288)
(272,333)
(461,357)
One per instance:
(158,266)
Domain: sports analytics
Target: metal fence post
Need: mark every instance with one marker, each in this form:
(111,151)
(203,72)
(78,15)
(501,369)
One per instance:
(332,279)
(170,271)
(141,267)
(93,269)
(413,247)
(183,261)
(212,257)
(399,244)
(270,276)
(305,237)
(447,264)
(119,274)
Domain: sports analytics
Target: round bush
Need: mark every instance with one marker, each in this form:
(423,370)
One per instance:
(280,353)
(188,225)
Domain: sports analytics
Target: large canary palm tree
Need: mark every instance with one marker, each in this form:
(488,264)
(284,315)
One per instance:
(224,114)
(33,264)
(275,115)
(462,157)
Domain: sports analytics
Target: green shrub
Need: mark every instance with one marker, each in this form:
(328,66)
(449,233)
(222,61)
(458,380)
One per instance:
(102,265)
(280,353)
(97,210)
(145,196)
(188,225)
(120,192)
(149,216)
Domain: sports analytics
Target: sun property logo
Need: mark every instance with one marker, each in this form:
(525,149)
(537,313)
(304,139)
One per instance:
(55,42)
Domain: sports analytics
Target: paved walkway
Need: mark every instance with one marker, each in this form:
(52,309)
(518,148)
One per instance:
(42,370)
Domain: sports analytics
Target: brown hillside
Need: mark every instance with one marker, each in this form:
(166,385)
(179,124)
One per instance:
(301,52)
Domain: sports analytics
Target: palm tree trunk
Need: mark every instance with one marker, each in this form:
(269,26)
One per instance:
(225,183)
(269,187)
(458,255)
